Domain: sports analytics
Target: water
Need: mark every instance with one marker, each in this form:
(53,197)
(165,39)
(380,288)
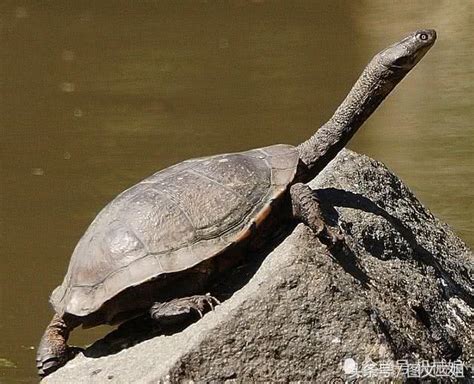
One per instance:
(96,96)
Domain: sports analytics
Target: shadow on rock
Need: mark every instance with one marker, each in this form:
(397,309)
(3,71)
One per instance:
(341,198)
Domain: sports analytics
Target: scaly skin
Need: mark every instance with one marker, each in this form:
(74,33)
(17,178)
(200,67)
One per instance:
(378,79)
(53,351)
(307,209)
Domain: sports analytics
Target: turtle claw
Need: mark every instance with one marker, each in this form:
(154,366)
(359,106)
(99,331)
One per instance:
(199,312)
(53,351)
(47,366)
(50,361)
(333,238)
(199,302)
(210,300)
(173,310)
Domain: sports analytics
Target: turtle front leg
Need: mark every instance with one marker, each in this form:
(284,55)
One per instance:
(177,310)
(307,209)
(53,351)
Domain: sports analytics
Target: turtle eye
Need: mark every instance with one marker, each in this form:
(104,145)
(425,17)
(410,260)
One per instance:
(423,36)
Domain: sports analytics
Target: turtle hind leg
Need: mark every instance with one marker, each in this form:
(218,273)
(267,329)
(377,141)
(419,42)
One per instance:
(307,209)
(53,351)
(180,309)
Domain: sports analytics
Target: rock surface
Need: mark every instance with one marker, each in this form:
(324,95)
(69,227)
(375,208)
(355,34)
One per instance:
(401,289)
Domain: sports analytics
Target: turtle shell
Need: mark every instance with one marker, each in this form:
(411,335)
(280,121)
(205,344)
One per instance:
(171,221)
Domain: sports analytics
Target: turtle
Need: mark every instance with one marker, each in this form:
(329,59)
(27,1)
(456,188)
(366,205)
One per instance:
(153,249)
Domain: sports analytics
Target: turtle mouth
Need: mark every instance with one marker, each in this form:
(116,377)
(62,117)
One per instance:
(405,54)
(405,62)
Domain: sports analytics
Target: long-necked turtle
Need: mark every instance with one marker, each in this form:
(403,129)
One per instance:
(153,247)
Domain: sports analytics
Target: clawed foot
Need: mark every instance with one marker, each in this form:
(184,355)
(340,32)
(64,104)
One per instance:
(53,351)
(332,238)
(175,310)
(49,359)
(307,208)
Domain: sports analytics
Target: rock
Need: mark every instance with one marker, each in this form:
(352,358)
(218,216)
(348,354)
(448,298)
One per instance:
(402,289)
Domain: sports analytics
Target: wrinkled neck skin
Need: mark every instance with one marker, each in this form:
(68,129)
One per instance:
(369,91)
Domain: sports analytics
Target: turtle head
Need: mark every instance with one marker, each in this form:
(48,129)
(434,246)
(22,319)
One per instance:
(404,55)
(378,79)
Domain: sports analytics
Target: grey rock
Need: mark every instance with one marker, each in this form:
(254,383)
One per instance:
(401,289)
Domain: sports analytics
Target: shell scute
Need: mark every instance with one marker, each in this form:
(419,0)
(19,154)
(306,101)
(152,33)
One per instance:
(171,221)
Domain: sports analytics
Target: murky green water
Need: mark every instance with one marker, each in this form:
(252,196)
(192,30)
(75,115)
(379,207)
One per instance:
(97,96)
